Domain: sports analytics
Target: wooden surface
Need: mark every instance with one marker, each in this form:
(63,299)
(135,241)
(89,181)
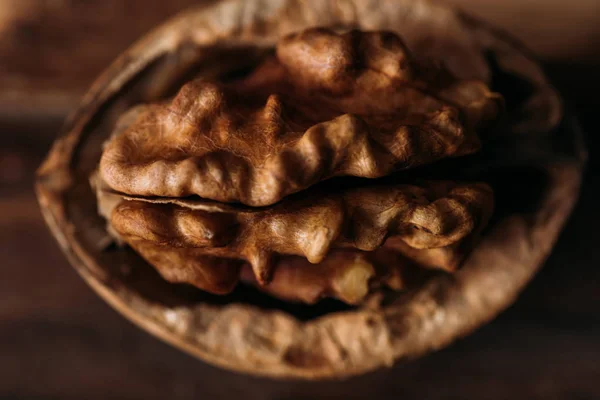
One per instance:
(52,50)
(58,340)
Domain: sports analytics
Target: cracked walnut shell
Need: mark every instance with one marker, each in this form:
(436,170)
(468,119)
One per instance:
(227,48)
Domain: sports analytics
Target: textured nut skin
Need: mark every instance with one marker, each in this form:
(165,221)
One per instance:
(292,124)
(328,105)
(347,275)
(342,275)
(434,214)
(273,342)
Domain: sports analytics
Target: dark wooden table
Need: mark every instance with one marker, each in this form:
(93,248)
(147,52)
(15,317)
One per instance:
(59,340)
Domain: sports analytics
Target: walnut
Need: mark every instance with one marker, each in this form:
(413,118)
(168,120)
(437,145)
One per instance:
(328,105)
(211,245)
(364,161)
(291,125)
(428,216)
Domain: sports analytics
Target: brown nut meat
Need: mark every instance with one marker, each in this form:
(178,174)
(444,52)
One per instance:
(312,114)
(346,275)
(342,275)
(435,214)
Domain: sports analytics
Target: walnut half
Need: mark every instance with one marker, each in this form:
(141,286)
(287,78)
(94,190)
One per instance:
(327,105)
(298,120)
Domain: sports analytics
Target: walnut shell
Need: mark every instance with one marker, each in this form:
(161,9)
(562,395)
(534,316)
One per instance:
(533,201)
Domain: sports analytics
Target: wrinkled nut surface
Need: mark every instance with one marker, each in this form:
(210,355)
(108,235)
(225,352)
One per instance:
(432,215)
(347,275)
(352,104)
(327,105)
